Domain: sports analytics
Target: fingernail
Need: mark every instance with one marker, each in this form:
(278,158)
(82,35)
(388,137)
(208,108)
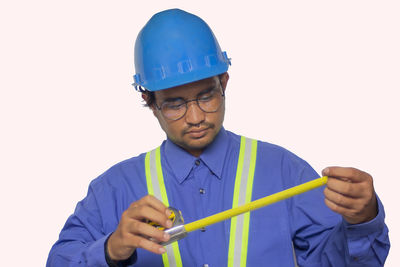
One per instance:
(168,212)
(162,250)
(166,236)
(325,171)
(168,224)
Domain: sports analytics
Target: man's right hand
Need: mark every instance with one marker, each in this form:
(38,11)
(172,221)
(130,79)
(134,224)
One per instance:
(133,231)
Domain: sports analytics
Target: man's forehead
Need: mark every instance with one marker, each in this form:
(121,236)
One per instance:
(190,89)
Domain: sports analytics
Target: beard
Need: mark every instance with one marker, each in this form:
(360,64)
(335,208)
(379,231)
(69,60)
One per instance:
(196,145)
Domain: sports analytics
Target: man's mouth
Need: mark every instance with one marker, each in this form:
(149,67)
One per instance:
(197,133)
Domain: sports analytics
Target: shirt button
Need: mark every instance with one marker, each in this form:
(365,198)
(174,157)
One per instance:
(197,162)
(203,229)
(205,265)
(202,191)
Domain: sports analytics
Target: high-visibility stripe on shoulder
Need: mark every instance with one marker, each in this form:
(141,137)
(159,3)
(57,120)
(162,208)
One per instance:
(160,177)
(249,190)
(232,236)
(156,187)
(148,174)
(239,232)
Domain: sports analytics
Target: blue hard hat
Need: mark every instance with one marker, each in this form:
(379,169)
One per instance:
(175,48)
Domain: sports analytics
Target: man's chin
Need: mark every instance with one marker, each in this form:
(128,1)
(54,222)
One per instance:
(197,145)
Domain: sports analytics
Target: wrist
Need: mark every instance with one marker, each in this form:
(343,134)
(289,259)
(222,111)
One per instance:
(109,259)
(370,211)
(113,261)
(115,253)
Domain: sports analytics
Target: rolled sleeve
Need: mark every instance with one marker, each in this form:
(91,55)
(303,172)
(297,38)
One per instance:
(95,253)
(369,238)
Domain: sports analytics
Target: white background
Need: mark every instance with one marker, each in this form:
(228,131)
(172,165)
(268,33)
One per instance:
(319,78)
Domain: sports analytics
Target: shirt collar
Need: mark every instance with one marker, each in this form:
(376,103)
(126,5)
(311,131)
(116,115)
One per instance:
(182,162)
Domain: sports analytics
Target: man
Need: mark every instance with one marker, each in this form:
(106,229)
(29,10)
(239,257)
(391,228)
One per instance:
(202,169)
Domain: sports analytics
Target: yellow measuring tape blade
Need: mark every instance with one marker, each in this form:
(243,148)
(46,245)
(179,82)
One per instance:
(256,204)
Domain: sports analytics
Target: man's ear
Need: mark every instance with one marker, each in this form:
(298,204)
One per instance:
(145,97)
(224,78)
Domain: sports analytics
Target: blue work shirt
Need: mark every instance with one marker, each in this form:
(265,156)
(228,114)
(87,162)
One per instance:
(203,186)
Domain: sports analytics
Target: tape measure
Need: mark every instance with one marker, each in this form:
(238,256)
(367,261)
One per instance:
(176,218)
(177,231)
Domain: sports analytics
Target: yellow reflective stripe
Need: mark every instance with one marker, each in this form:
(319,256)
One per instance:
(240,225)
(249,190)
(235,202)
(245,239)
(154,177)
(148,174)
(175,247)
(165,260)
(232,242)
(150,190)
(161,178)
(177,254)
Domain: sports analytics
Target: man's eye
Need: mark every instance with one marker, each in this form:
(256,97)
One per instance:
(174,105)
(206,97)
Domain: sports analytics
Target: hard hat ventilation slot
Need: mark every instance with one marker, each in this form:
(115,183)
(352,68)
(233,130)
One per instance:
(159,73)
(184,66)
(211,60)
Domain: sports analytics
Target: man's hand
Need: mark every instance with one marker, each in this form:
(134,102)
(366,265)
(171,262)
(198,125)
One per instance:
(350,192)
(133,231)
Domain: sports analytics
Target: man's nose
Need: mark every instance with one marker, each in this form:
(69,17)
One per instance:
(194,115)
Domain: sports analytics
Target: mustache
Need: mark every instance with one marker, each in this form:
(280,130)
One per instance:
(203,125)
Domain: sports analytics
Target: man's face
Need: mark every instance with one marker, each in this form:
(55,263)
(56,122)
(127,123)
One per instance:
(196,129)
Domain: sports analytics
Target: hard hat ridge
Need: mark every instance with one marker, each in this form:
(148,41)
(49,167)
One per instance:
(175,48)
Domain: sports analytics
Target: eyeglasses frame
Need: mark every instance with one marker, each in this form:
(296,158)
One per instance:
(186,104)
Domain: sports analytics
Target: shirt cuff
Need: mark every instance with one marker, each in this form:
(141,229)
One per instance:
(375,225)
(360,237)
(111,263)
(95,253)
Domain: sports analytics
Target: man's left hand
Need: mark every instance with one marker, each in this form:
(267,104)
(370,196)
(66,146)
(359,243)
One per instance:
(350,192)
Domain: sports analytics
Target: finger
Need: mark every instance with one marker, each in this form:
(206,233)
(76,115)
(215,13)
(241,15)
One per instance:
(149,213)
(346,212)
(155,203)
(340,200)
(354,190)
(346,173)
(141,242)
(146,230)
